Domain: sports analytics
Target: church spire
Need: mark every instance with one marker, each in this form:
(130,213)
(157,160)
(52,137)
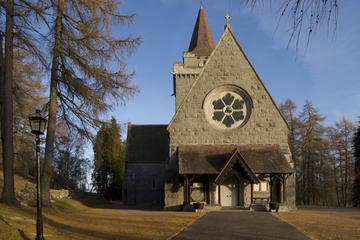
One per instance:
(202,42)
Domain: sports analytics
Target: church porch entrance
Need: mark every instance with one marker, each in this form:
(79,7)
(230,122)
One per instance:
(234,191)
(229,193)
(235,178)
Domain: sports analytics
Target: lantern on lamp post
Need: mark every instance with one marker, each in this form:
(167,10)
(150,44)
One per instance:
(37,124)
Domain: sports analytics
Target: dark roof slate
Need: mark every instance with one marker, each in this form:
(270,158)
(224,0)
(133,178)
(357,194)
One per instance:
(202,43)
(147,143)
(212,159)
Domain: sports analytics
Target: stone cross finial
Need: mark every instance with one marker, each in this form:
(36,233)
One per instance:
(227,23)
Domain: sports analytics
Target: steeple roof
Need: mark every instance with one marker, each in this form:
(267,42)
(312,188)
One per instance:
(202,42)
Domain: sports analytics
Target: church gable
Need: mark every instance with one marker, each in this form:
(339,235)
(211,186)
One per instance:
(227,144)
(228,94)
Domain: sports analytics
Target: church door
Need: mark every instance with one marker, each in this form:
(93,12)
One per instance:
(229,192)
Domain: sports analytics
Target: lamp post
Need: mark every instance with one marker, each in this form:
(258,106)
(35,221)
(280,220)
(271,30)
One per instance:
(37,124)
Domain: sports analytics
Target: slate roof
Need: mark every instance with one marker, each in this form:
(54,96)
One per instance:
(212,159)
(202,43)
(147,143)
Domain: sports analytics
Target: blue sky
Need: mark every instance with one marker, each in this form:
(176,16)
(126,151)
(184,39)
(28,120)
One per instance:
(328,75)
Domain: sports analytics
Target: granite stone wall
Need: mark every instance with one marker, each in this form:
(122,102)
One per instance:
(144,183)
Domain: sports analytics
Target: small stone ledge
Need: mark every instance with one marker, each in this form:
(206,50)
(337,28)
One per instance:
(29,194)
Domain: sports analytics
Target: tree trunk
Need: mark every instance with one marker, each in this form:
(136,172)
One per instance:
(8,195)
(50,137)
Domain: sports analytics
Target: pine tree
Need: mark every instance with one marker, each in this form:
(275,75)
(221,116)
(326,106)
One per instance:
(356,191)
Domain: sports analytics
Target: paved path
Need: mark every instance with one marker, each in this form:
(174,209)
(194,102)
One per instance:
(240,225)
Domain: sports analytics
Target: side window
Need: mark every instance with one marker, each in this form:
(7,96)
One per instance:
(261,187)
(264,186)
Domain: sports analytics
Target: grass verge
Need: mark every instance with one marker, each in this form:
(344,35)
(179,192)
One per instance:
(324,223)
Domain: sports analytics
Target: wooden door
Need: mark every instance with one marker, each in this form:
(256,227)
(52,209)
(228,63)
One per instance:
(229,192)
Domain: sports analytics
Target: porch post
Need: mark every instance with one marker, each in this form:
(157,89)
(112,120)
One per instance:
(186,189)
(284,188)
(271,182)
(252,193)
(219,195)
(238,191)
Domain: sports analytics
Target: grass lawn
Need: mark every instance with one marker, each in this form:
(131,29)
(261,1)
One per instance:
(89,218)
(71,219)
(320,223)
(92,218)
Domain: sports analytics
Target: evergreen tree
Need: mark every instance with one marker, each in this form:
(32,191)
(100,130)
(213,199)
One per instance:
(109,160)
(356,191)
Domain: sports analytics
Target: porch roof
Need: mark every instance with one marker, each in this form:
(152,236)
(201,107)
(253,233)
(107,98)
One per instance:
(243,166)
(207,159)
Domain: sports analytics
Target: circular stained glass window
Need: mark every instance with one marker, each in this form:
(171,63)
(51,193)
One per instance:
(227,107)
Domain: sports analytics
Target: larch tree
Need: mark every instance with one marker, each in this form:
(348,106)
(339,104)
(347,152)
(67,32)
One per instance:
(311,141)
(20,51)
(8,194)
(304,16)
(345,159)
(288,108)
(29,91)
(88,69)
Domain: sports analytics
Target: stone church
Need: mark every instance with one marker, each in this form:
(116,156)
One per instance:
(226,145)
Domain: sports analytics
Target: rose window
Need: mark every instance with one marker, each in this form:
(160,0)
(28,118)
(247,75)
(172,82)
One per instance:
(228,110)
(227,107)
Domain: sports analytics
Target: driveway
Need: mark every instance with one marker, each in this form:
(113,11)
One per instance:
(240,225)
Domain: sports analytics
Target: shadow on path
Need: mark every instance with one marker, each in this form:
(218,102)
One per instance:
(240,225)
